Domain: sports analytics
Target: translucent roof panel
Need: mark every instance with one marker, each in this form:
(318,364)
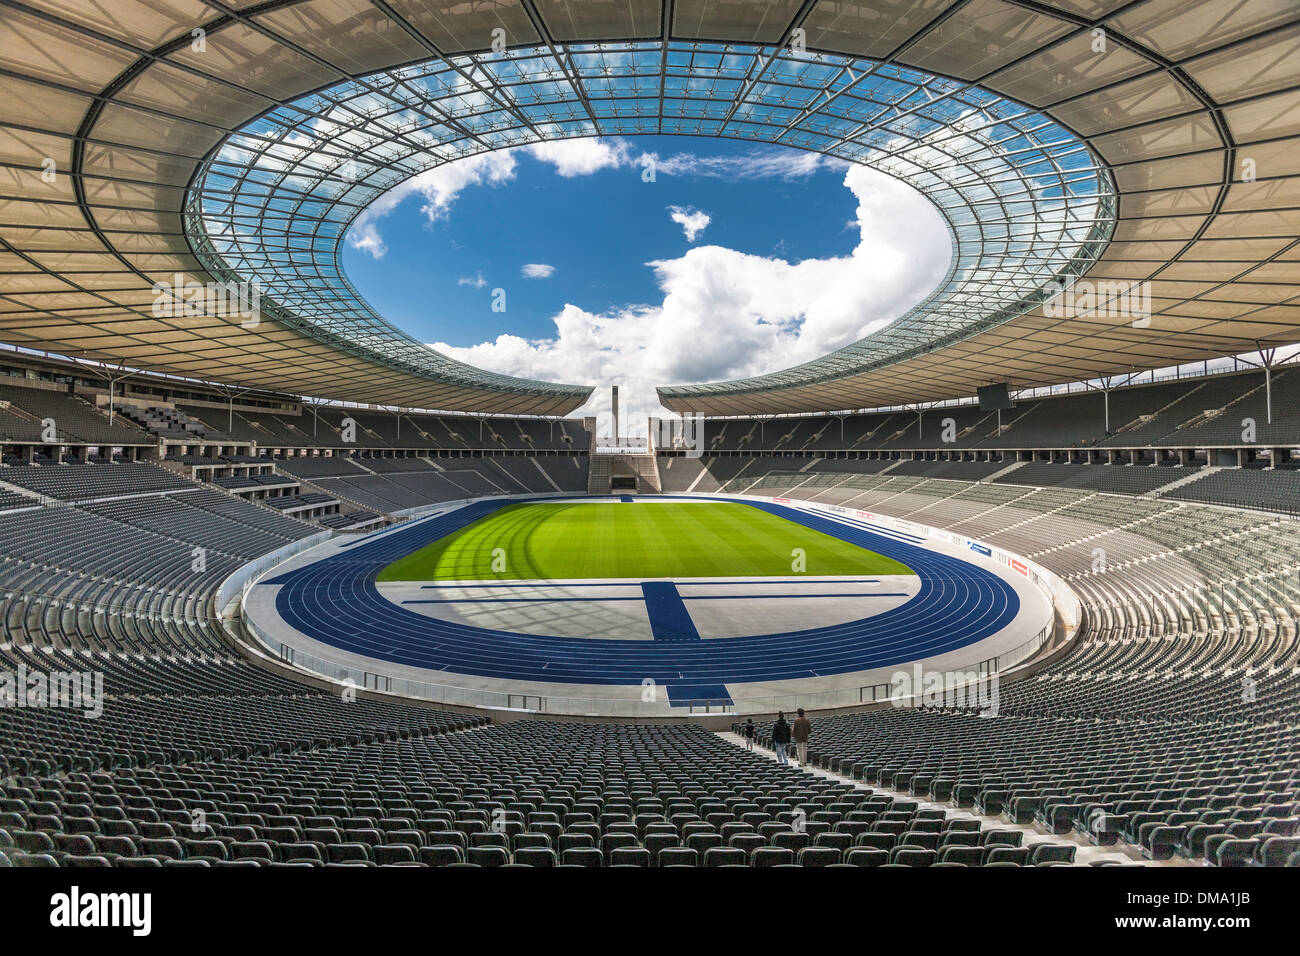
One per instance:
(1026,202)
(1033,126)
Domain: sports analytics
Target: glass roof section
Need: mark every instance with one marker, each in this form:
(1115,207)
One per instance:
(1026,201)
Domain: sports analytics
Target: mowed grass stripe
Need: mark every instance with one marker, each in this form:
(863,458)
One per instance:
(615,540)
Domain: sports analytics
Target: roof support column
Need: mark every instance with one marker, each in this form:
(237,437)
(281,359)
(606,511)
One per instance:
(1105,391)
(231,395)
(1266,357)
(113,380)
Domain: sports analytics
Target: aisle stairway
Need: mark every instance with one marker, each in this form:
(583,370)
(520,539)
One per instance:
(598,475)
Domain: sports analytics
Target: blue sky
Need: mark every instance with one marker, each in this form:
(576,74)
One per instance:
(597,232)
(736,259)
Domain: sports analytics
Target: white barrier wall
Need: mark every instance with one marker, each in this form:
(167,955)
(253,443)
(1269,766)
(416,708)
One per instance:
(232,588)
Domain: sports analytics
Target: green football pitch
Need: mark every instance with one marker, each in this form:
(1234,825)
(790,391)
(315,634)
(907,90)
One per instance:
(619,540)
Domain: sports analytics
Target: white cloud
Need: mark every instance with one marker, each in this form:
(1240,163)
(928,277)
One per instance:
(759,163)
(693,221)
(365,236)
(582,157)
(476,281)
(537,270)
(727,314)
(439,188)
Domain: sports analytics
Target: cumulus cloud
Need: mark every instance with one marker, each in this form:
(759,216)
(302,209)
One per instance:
(693,221)
(364,235)
(727,314)
(537,270)
(476,281)
(438,187)
(582,157)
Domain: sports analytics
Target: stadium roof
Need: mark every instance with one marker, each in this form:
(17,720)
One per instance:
(1123,141)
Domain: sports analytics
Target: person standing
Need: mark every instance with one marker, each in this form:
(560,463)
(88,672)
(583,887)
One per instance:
(799,733)
(749,730)
(780,738)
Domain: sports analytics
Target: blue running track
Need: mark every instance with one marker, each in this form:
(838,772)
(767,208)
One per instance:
(336,601)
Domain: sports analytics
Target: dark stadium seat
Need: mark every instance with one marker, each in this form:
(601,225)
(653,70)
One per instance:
(725,856)
(678,856)
(388,854)
(866,856)
(969,855)
(285,775)
(533,856)
(480,855)
(628,856)
(1041,853)
(819,856)
(582,856)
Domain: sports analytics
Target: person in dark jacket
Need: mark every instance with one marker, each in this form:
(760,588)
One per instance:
(749,730)
(799,732)
(780,738)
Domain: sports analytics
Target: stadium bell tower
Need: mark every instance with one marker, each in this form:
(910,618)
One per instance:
(613,404)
